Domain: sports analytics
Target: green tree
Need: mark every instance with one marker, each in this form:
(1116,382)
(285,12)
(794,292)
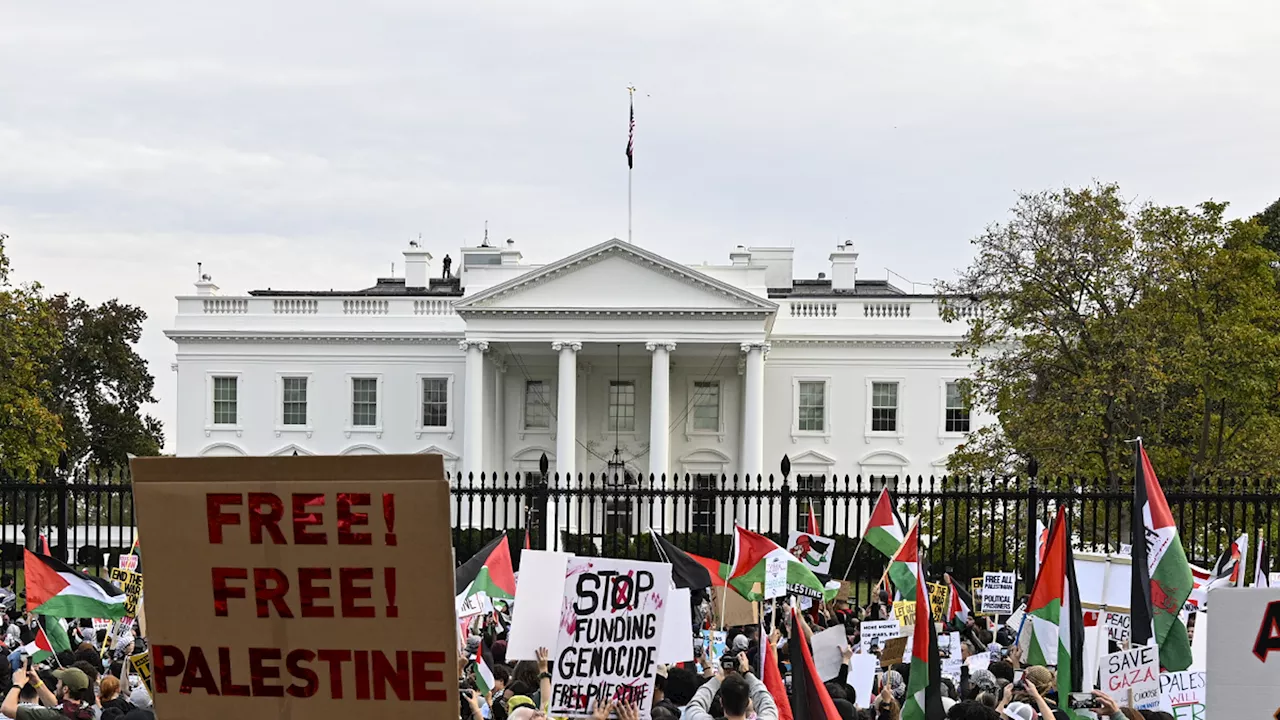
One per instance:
(99,382)
(1103,321)
(30,433)
(1270,219)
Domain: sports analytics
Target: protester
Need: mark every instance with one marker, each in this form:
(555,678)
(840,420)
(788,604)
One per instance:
(740,694)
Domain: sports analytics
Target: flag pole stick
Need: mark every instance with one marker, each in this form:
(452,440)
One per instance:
(631,92)
(851,558)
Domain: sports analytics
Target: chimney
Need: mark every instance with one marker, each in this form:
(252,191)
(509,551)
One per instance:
(511,255)
(740,256)
(844,266)
(416,262)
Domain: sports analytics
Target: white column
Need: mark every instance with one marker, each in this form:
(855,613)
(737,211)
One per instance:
(473,414)
(753,409)
(567,409)
(660,409)
(498,444)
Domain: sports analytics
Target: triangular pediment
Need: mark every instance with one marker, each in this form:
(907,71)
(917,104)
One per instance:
(619,275)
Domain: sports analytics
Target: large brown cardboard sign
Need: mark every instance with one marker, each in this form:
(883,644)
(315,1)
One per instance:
(298,587)
(737,609)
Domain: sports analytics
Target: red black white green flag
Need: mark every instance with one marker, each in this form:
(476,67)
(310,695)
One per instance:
(1161,576)
(488,571)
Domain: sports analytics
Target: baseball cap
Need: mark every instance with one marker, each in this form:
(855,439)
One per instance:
(73,678)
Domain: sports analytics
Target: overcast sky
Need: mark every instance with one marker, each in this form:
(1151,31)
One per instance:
(299,144)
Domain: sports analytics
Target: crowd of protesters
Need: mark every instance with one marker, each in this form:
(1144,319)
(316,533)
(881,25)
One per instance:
(83,683)
(732,687)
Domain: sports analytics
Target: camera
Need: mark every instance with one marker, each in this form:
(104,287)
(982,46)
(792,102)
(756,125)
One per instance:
(729,662)
(1083,701)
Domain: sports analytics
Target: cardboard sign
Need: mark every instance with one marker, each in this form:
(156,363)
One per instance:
(876,632)
(894,649)
(905,612)
(997,593)
(1183,694)
(845,593)
(141,664)
(975,589)
(775,577)
(1117,625)
(1244,654)
(737,609)
(815,551)
(317,587)
(610,634)
(1136,669)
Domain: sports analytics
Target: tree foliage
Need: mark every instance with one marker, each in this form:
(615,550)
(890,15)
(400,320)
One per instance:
(30,435)
(1103,321)
(1270,219)
(71,384)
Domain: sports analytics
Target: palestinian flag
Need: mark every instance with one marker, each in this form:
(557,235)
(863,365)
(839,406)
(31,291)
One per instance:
(904,566)
(811,525)
(959,604)
(1229,570)
(1042,542)
(772,676)
(488,571)
(751,552)
(39,649)
(1056,619)
(484,671)
(686,572)
(1161,576)
(809,696)
(57,589)
(885,529)
(924,684)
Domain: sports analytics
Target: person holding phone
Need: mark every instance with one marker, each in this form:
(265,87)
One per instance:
(740,693)
(74,697)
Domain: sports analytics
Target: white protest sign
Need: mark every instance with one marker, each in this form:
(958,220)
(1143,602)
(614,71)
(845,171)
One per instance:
(1244,654)
(1136,669)
(1183,694)
(997,593)
(815,551)
(1274,579)
(610,631)
(979,661)
(477,604)
(535,615)
(1126,549)
(677,629)
(129,562)
(826,647)
(1117,625)
(775,577)
(862,676)
(101,624)
(876,632)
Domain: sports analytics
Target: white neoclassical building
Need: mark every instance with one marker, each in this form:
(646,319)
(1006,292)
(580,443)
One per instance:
(612,357)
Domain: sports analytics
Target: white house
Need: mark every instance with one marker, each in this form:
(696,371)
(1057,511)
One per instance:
(681,369)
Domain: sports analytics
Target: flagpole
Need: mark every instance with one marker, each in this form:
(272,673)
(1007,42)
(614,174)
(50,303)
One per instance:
(631,92)
(855,554)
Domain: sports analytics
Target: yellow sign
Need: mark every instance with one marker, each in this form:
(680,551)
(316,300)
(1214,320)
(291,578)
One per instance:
(975,588)
(131,583)
(905,612)
(939,593)
(142,667)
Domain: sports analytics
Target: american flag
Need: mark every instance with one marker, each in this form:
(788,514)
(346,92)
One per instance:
(631,137)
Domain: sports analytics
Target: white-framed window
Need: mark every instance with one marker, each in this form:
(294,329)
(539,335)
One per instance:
(703,505)
(811,406)
(224,400)
(435,403)
(293,401)
(364,411)
(705,406)
(956,413)
(539,405)
(806,484)
(622,406)
(884,407)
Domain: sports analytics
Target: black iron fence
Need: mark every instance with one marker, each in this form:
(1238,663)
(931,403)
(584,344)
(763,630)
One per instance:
(968,525)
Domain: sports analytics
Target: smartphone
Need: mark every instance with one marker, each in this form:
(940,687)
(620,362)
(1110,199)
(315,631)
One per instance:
(1083,701)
